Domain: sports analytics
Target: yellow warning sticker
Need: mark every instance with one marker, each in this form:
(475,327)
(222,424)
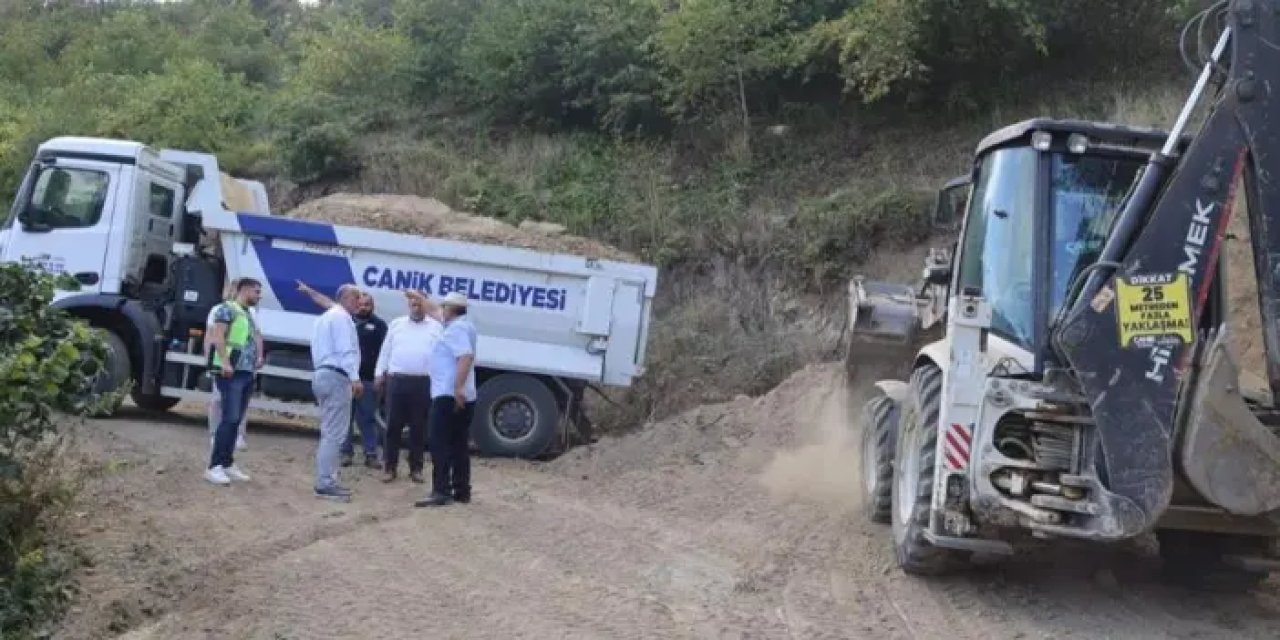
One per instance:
(1154,310)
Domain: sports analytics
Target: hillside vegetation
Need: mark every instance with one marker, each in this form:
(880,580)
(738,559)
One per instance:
(757,150)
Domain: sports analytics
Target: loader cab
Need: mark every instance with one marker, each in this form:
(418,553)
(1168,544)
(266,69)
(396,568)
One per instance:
(106,212)
(1044,196)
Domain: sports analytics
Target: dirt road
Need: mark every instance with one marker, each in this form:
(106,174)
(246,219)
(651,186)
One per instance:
(736,520)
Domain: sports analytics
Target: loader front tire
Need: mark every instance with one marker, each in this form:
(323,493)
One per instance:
(879,437)
(913,478)
(1195,559)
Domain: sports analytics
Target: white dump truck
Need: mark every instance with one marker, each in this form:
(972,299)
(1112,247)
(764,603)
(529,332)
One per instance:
(152,235)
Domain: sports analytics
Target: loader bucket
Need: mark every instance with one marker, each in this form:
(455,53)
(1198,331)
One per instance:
(1230,457)
(882,335)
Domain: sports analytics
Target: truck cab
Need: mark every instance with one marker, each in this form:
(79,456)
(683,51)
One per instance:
(109,213)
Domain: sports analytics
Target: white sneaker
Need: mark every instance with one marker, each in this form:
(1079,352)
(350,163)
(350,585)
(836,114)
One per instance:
(235,473)
(217,475)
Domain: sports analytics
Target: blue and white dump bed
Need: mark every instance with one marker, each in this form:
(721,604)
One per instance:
(542,313)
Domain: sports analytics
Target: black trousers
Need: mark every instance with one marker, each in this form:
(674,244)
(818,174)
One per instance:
(408,403)
(451,448)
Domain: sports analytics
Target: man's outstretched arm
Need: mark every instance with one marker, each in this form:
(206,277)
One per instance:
(321,300)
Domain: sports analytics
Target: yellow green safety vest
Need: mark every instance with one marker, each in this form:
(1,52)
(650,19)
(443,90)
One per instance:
(238,333)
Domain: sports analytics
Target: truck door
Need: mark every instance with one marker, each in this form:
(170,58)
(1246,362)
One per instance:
(156,218)
(63,220)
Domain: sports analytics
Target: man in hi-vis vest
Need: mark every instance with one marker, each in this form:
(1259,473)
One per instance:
(235,360)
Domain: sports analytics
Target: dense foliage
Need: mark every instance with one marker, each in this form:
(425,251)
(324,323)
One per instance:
(47,362)
(273,85)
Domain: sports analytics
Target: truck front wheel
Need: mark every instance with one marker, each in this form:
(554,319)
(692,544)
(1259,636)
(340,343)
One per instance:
(157,403)
(516,416)
(913,478)
(115,372)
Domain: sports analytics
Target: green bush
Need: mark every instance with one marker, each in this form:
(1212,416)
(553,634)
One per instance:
(48,364)
(834,233)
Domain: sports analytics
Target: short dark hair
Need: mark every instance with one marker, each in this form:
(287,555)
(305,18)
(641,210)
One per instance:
(459,311)
(245,283)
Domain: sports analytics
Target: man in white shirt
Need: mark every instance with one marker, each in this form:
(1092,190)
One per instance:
(453,400)
(335,356)
(215,400)
(402,370)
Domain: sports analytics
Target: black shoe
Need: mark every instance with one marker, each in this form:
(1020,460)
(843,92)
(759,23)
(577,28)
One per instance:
(434,500)
(463,498)
(346,459)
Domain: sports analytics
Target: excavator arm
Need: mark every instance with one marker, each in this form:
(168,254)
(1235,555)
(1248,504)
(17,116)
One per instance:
(1133,336)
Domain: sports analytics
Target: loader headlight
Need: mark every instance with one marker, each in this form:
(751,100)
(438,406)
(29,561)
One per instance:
(1041,140)
(1077,143)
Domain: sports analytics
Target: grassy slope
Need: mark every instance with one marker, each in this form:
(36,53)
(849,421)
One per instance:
(755,247)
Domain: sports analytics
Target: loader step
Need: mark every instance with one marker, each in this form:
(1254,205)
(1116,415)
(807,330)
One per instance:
(976,545)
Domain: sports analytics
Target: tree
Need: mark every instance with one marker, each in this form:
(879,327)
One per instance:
(713,49)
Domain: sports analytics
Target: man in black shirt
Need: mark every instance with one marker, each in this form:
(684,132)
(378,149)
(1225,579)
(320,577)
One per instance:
(371,331)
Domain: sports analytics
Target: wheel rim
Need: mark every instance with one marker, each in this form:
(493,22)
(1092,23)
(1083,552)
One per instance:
(513,417)
(907,472)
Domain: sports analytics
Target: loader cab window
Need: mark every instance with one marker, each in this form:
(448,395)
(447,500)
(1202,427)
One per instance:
(66,199)
(997,254)
(1086,193)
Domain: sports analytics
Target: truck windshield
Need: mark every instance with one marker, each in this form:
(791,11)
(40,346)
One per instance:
(1087,193)
(66,198)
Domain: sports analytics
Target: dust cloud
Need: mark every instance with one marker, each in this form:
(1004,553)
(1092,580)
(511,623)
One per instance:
(827,468)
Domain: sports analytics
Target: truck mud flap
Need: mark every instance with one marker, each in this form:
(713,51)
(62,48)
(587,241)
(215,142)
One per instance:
(882,335)
(1228,456)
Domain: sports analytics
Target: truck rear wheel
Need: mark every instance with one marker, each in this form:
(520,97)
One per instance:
(516,416)
(913,477)
(1195,559)
(115,372)
(879,437)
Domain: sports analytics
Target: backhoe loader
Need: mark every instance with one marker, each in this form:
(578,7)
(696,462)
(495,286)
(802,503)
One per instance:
(1064,371)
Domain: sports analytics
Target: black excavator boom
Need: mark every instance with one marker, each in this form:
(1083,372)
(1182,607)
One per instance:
(1131,334)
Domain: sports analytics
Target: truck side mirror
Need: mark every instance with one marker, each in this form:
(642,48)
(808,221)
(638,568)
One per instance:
(29,215)
(938,274)
(948,210)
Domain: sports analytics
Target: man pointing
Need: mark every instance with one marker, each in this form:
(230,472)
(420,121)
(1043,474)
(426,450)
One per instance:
(335,353)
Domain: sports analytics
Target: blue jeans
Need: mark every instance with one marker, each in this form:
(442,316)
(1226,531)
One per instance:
(364,410)
(235,392)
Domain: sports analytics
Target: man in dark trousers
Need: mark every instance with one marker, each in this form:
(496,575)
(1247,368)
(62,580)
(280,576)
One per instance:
(371,331)
(453,400)
(402,371)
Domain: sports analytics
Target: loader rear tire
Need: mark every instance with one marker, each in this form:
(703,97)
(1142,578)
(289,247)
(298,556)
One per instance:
(879,438)
(1194,559)
(913,477)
